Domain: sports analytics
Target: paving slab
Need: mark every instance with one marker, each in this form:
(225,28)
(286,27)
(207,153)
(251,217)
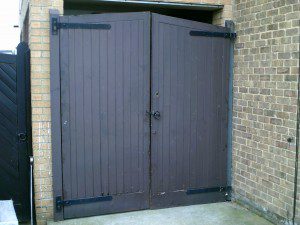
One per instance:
(224,213)
(7,213)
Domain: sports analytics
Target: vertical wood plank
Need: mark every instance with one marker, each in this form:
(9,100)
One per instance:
(134,106)
(103,112)
(145,43)
(173,106)
(187,110)
(194,114)
(80,137)
(166,89)
(87,112)
(160,102)
(180,111)
(72,113)
(96,117)
(141,112)
(65,111)
(111,108)
(127,109)
(120,79)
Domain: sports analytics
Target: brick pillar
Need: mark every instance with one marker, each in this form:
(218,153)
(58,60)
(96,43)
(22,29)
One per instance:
(40,95)
(220,16)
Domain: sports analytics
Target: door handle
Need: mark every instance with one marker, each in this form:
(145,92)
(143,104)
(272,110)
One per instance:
(155,114)
(22,137)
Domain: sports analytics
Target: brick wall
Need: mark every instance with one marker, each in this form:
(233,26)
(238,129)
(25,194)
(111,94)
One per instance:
(40,94)
(297,216)
(265,84)
(265,104)
(220,16)
(38,38)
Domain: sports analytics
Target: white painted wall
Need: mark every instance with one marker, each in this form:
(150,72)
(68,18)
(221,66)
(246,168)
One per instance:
(9,16)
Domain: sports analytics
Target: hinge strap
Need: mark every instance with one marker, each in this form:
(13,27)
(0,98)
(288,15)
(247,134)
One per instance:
(213,34)
(60,203)
(192,191)
(57,25)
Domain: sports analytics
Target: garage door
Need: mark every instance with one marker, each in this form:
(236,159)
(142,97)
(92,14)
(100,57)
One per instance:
(113,150)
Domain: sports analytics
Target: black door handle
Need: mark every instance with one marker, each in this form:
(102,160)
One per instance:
(155,114)
(22,137)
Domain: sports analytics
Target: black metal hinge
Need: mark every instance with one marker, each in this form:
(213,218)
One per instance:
(57,25)
(60,202)
(207,190)
(213,34)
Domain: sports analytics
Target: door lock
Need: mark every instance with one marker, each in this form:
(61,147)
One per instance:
(155,114)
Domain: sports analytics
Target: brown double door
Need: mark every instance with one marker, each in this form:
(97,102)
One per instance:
(143,114)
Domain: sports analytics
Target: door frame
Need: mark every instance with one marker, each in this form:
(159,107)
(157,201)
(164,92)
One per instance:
(24,116)
(55,117)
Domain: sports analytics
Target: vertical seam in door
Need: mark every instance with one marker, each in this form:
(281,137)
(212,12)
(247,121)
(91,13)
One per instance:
(169,178)
(221,110)
(99,69)
(115,144)
(61,134)
(162,127)
(83,118)
(130,108)
(197,121)
(138,146)
(177,34)
(150,108)
(69,108)
(190,124)
(107,136)
(163,103)
(123,109)
(75,133)
(91,33)
(189,127)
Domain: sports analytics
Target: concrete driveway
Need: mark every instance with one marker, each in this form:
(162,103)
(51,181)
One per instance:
(207,214)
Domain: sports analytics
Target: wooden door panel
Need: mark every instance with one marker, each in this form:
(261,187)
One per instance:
(105,94)
(190,90)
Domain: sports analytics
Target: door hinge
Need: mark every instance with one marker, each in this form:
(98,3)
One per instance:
(213,34)
(192,191)
(57,25)
(60,202)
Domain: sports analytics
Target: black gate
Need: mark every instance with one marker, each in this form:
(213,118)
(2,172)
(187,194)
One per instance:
(15,130)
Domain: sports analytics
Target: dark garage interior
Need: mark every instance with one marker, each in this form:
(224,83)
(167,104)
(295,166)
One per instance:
(196,12)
